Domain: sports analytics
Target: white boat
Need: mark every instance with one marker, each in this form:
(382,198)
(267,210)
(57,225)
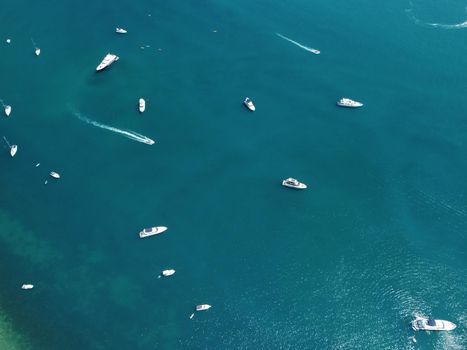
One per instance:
(203,307)
(107,61)
(55,175)
(167,273)
(7,110)
(142,105)
(429,324)
(120,30)
(293,183)
(148,141)
(151,231)
(27,286)
(37,51)
(8,41)
(347,102)
(316,52)
(13,150)
(249,104)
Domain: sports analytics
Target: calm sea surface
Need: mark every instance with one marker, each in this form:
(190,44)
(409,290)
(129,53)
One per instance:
(378,238)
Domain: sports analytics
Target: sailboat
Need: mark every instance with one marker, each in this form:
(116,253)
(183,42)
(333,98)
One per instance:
(13,148)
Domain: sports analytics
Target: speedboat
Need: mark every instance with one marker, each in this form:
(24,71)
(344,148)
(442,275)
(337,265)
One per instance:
(249,104)
(167,273)
(203,307)
(316,52)
(120,30)
(37,51)
(55,175)
(107,61)
(429,324)
(7,110)
(152,231)
(142,105)
(27,286)
(148,141)
(13,150)
(293,183)
(347,102)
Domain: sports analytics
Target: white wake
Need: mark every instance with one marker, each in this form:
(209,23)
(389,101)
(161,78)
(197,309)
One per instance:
(309,49)
(435,25)
(132,135)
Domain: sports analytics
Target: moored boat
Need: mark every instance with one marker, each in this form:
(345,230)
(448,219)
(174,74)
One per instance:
(141,105)
(7,110)
(54,175)
(120,30)
(151,231)
(37,51)
(107,61)
(13,150)
(249,104)
(203,307)
(27,286)
(293,183)
(167,273)
(347,102)
(430,324)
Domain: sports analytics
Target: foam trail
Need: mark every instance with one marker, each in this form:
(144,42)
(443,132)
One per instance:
(127,133)
(309,49)
(435,25)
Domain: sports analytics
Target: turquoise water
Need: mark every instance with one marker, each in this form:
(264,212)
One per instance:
(378,237)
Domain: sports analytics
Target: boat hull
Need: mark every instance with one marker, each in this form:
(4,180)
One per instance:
(203,307)
(13,150)
(167,273)
(154,231)
(420,324)
(300,186)
(7,111)
(141,105)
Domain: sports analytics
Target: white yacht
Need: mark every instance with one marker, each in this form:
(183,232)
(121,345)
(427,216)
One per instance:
(347,102)
(167,273)
(107,61)
(54,175)
(429,324)
(151,231)
(13,150)
(27,286)
(142,105)
(203,307)
(120,30)
(7,110)
(37,51)
(293,183)
(249,104)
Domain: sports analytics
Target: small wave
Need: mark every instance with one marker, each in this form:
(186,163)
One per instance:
(309,49)
(461,25)
(132,135)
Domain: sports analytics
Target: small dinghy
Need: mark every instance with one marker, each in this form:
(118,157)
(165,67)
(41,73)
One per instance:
(167,273)
(7,110)
(13,150)
(54,175)
(203,307)
(142,105)
(120,31)
(27,286)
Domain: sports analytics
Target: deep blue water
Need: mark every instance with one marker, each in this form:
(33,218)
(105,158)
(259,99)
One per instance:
(377,238)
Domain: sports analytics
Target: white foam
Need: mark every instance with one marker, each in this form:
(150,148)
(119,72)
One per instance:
(132,135)
(435,25)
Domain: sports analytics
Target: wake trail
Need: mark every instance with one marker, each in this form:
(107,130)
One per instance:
(306,48)
(410,14)
(132,135)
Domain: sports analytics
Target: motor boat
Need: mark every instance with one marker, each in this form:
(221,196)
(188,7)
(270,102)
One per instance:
(142,105)
(347,102)
(249,104)
(37,51)
(7,110)
(148,141)
(167,273)
(107,61)
(316,52)
(293,183)
(429,324)
(8,41)
(27,286)
(120,30)
(55,175)
(203,307)
(152,231)
(13,150)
